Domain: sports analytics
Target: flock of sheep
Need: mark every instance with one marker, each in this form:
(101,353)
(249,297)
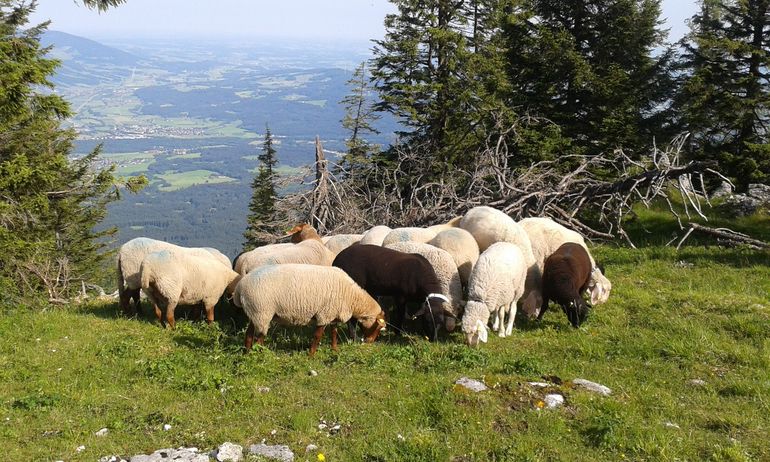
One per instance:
(474,269)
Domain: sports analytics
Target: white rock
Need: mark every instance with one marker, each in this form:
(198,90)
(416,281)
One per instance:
(263,389)
(670,425)
(229,451)
(311,448)
(470,384)
(593,386)
(278,452)
(80,448)
(313,373)
(102,432)
(538,384)
(112,459)
(553,400)
(321,426)
(697,382)
(273,432)
(166,427)
(400,437)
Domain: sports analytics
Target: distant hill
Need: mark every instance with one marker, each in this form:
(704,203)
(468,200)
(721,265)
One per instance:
(87,62)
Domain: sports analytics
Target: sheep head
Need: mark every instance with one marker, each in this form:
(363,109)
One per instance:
(576,311)
(532,303)
(475,323)
(302,232)
(373,326)
(435,312)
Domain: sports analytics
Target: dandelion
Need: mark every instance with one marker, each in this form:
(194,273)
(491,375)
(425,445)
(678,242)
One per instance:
(321,457)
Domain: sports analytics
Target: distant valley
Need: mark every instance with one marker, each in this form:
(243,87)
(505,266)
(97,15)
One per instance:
(191,117)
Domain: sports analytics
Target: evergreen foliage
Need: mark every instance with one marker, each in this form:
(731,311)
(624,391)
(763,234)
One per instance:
(359,119)
(725,91)
(49,203)
(260,224)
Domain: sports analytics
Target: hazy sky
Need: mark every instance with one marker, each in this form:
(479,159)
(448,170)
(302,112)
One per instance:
(302,19)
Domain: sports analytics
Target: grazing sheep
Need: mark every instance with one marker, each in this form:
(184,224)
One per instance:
(462,247)
(408,235)
(130,256)
(308,250)
(446,271)
(496,284)
(565,276)
(298,294)
(171,278)
(375,235)
(488,225)
(339,242)
(547,235)
(451,224)
(407,277)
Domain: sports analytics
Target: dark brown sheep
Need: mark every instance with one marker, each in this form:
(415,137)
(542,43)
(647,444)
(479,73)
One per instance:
(565,277)
(407,277)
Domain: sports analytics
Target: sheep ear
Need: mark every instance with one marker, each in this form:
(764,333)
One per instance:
(482,331)
(596,294)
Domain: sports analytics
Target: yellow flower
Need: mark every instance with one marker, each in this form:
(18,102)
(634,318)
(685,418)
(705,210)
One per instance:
(540,404)
(321,457)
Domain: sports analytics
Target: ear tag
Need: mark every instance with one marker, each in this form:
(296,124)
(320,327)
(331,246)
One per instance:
(482,331)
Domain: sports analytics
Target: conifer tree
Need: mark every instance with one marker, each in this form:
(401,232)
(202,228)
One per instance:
(591,68)
(725,95)
(358,120)
(49,203)
(260,224)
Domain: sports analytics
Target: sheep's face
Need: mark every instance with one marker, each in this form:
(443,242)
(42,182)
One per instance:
(576,311)
(531,304)
(475,323)
(435,313)
(373,326)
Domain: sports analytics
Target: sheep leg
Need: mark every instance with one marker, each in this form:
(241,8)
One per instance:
(334,338)
(158,314)
(398,317)
(496,320)
(511,318)
(500,321)
(170,307)
(352,331)
(543,308)
(249,341)
(319,333)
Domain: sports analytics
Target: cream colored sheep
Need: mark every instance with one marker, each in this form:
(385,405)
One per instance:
(446,271)
(462,247)
(173,277)
(547,235)
(451,224)
(408,235)
(309,252)
(339,242)
(130,256)
(496,284)
(300,295)
(375,235)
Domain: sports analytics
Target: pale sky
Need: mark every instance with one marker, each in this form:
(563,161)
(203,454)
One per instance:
(301,19)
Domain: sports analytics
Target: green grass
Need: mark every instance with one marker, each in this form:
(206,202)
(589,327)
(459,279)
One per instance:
(174,181)
(702,313)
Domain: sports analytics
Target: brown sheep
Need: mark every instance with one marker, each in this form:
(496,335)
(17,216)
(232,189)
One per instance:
(566,275)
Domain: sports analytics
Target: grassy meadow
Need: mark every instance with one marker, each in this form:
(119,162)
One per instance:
(702,313)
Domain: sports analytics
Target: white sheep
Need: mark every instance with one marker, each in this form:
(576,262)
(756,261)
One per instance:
(256,253)
(309,252)
(451,224)
(299,295)
(496,284)
(446,271)
(130,256)
(547,235)
(488,226)
(173,277)
(339,242)
(462,247)
(408,235)
(375,235)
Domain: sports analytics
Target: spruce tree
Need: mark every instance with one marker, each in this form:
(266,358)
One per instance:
(591,67)
(260,225)
(725,94)
(49,203)
(358,120)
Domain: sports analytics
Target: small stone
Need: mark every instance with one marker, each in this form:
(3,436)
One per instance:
(229,452)
(112,459)
(166,427)
(553,400)
(273,432)
(263,389)
(697,382)
(102,432)
(538,384)
(670,425)
(400,437)
(311,448)
(335,429)
(313,373)
(470,384)
(593,386)
(277,452)
(80,448)
(321,426)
